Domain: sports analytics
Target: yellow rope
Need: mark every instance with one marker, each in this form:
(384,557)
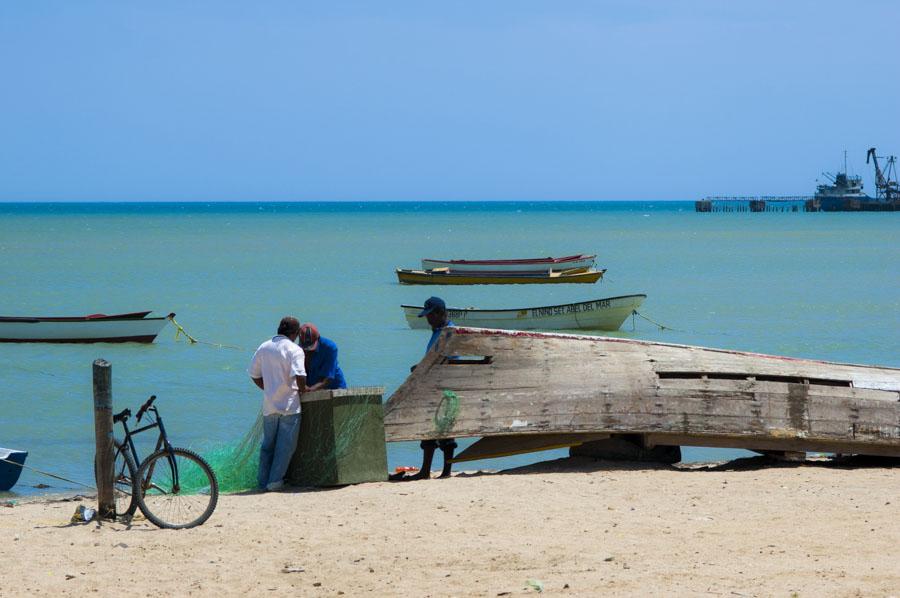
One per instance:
(654,322)
(179,330)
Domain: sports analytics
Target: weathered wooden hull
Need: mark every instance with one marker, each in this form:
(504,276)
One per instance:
(597,314)
(579,275)
(504,383)
(516,265)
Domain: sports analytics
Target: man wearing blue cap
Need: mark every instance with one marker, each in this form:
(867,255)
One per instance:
(436,311)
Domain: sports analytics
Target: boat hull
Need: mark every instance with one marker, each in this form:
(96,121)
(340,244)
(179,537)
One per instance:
(96,329)
(598,314)
(480,382)
(11,462)
(521,265)
(448,278)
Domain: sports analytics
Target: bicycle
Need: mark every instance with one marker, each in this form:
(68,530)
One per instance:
(175,488)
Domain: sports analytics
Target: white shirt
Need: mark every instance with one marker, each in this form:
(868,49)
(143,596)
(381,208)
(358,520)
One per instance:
(277,362)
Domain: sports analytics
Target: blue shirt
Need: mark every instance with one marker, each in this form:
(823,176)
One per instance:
(323,363)
(435,333)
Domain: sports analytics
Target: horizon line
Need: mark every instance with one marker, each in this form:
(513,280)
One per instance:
(286,201)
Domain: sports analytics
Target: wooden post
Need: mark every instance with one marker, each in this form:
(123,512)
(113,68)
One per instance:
(103,430)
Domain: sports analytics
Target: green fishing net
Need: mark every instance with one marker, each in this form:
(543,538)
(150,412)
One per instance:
(236,465)
(337,439)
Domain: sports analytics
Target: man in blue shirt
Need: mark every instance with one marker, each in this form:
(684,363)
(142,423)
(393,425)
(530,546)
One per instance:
(436,311)
(322,369)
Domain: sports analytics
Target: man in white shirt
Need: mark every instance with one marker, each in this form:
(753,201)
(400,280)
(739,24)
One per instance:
(278,370)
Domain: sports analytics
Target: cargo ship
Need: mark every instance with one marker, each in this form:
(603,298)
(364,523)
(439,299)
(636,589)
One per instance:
(845,193)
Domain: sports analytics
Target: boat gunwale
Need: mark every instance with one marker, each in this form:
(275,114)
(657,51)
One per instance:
(476,331)
(448,273)
(142,338)
(535,307)
(515,262)
(138,315)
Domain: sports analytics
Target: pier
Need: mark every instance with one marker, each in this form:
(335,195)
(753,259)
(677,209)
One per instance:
(751,203)
(792,203)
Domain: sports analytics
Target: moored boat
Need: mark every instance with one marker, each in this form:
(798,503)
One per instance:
(541,264)
(445,276)
(597,314)
(133,327)
(483,383)
(11,462)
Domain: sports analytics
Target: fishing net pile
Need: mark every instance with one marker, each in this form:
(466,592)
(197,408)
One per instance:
(236,465)
(319,448)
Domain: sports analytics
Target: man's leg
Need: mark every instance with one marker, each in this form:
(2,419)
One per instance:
(428,447)
(447,446)
(267,450)
(288,430)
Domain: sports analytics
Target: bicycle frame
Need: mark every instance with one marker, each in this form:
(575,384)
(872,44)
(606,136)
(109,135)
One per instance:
(161,442)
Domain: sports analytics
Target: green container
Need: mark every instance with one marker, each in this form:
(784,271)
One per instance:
(341,439)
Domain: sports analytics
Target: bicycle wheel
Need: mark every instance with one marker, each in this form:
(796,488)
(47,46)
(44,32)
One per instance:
(124,476)
(177,491)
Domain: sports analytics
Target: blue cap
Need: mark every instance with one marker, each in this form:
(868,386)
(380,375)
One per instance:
(432,304)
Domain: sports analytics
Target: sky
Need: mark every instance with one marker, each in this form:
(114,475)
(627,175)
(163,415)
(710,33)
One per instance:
(499,100)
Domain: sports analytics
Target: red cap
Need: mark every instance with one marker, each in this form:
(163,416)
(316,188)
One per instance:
(309,337)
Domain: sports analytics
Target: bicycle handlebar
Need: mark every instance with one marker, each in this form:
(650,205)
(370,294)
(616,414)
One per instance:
(145,407)
(122,416)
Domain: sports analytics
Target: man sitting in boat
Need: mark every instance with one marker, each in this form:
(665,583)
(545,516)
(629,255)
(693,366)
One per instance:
(322,369)
(436,311)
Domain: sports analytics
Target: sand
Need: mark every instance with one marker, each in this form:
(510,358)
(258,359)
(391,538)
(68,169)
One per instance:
(574,528)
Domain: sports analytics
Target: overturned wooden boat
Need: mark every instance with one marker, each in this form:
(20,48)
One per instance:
(11,463)
(597,314)
(495,383)
(446,276)
(539,264)
(133,327)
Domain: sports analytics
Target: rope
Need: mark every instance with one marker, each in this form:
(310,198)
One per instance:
(654,322)
(444,420)
(664,327)
(179,330)
(30,370)
(46,473)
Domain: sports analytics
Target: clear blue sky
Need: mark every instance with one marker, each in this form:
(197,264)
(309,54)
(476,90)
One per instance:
(178,101)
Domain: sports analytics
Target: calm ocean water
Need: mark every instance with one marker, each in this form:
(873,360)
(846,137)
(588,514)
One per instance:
(811,285)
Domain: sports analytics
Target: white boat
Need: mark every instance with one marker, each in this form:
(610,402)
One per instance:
(97,328)
(540,264)
(597,314)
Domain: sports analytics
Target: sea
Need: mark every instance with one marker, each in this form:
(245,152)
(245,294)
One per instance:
(819,285)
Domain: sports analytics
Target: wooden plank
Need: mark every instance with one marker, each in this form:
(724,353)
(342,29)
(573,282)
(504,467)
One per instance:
(503,446)
(762,444)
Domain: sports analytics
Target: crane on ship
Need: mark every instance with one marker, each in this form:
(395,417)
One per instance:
(886,186)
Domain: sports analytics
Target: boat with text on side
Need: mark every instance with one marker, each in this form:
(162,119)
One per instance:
(541,264)
(446,276)
(11,463)
(598,314)
(133,327)
(539,390)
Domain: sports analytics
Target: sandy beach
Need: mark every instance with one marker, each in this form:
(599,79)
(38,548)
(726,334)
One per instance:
(567,527)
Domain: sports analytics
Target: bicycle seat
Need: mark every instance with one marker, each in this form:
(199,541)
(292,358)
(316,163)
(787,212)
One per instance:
(122,416)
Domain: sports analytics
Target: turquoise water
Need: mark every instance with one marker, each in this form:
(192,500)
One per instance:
(812,285)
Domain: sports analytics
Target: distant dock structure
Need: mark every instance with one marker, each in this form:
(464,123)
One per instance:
(749,203)
(844,194)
